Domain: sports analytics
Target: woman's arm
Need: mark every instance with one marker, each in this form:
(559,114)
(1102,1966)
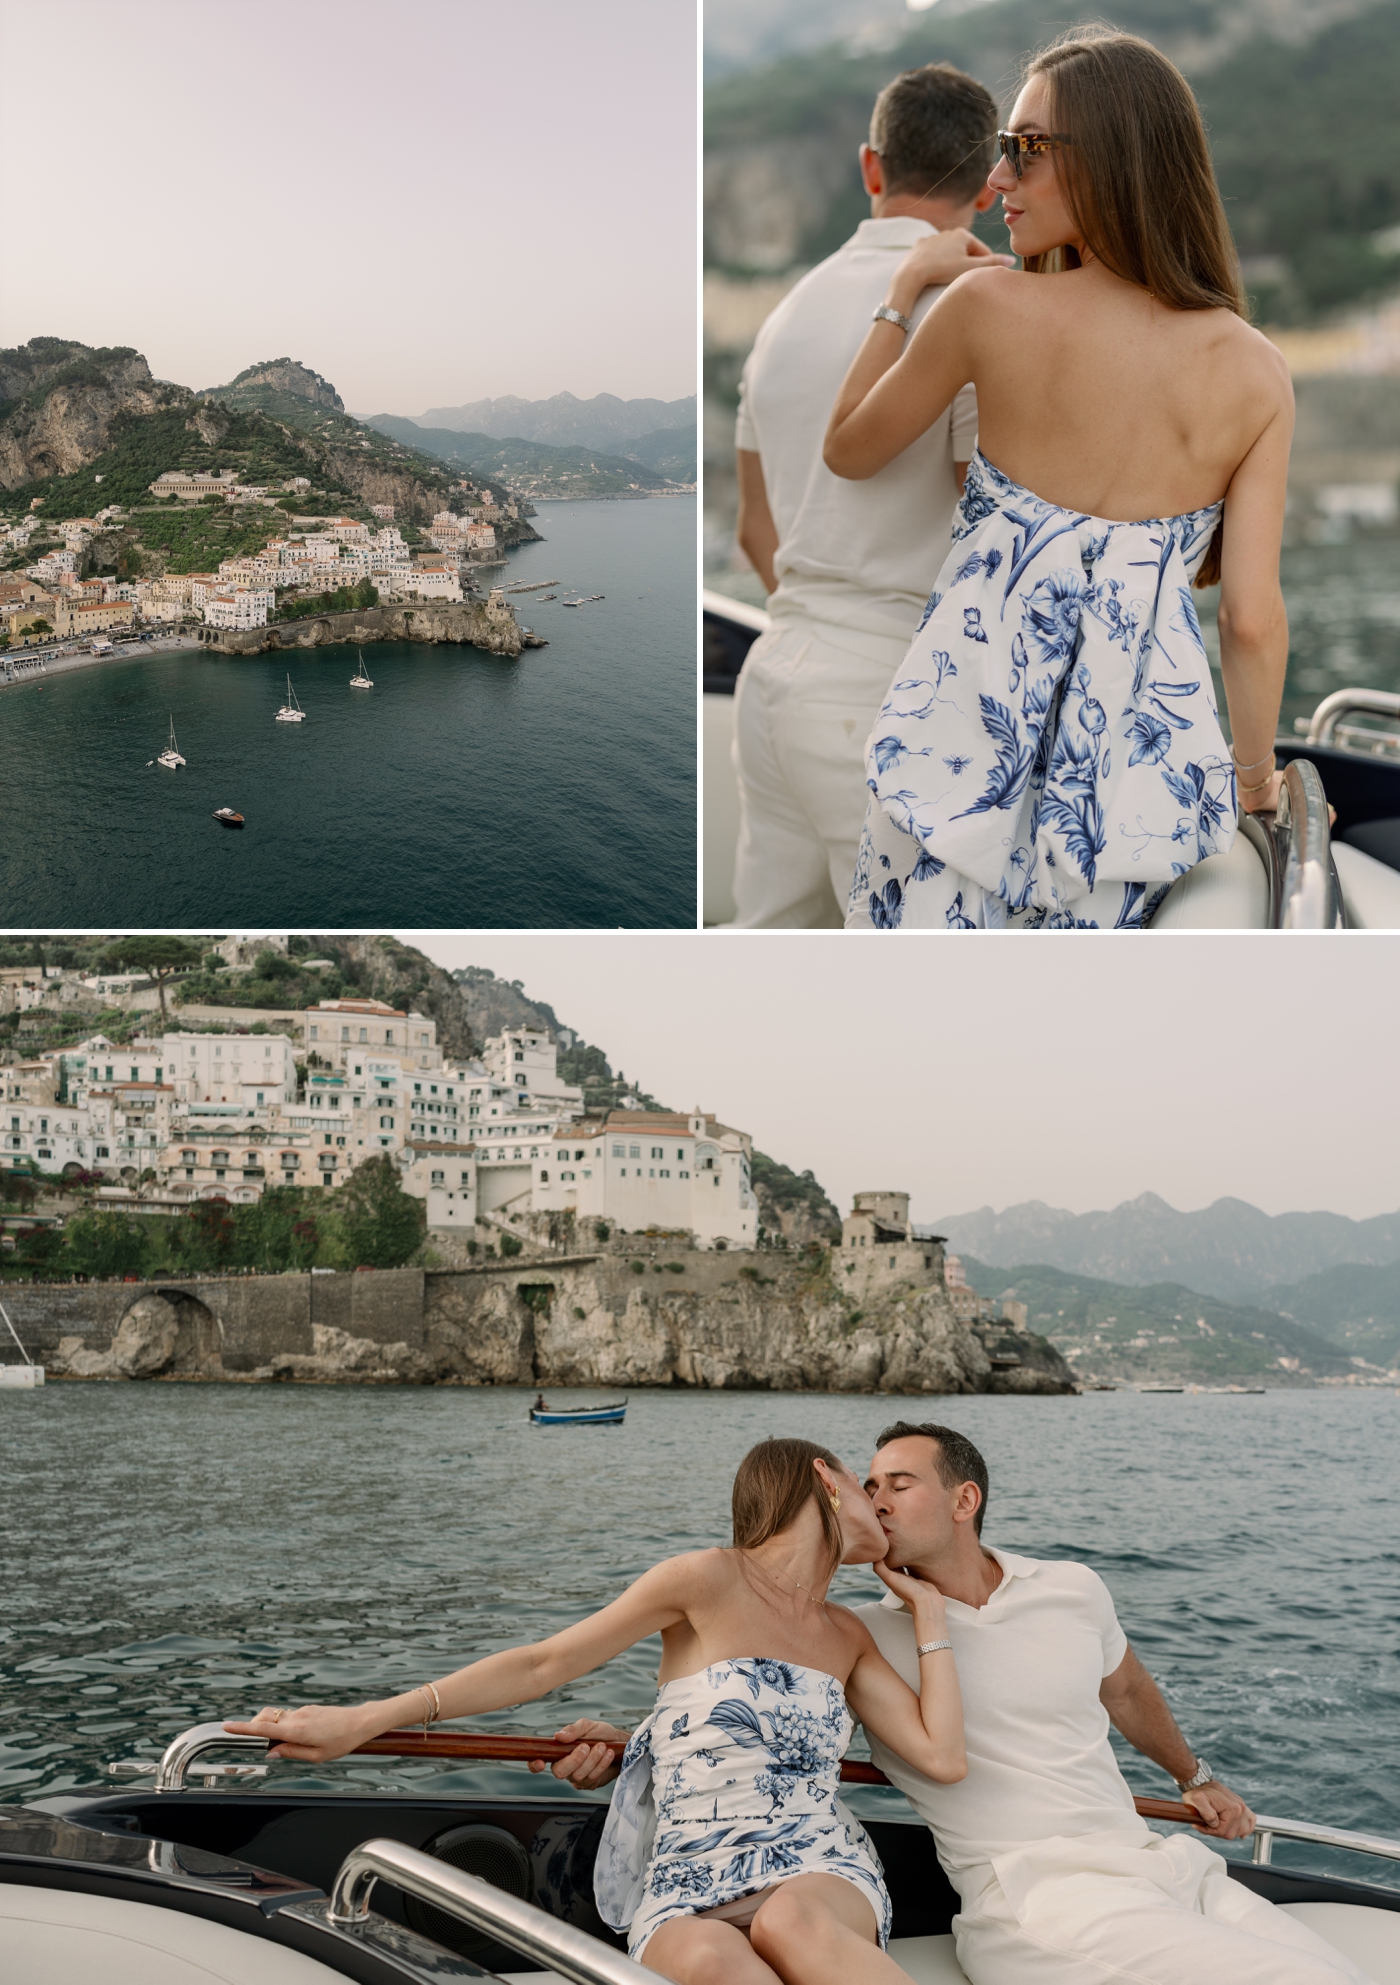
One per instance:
(1252,621)
(519,1674)
(926,1729)
(897,388)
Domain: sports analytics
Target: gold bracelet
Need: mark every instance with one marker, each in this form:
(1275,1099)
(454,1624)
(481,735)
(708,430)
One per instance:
(434,1704)
(1262,786)
(1241,766)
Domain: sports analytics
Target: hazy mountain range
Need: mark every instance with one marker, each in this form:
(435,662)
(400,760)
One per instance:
(1312,215)
(565,421)
(1229,1250)
(650,462)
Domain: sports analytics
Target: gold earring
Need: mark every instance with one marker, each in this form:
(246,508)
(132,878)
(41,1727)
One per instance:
(835,1501)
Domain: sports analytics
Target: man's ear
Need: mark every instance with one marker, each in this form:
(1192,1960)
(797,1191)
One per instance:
(872,172)
(984,199)
(967,1502)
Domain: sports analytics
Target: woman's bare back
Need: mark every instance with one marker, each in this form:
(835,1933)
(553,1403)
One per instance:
(1101,399)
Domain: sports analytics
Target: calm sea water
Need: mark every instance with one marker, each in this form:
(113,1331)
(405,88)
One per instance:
(175,1554)
(464,790)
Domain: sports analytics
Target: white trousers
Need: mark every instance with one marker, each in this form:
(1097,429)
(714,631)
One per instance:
(1094,1912)
(807,696)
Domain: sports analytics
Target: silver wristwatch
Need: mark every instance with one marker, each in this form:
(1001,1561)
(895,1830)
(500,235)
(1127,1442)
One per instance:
(891,317)
(1203,1776)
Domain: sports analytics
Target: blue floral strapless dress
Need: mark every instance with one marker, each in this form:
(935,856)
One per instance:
(1049,756)
(727,1788)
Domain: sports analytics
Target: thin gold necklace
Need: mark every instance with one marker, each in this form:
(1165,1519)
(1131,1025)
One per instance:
(788,1575)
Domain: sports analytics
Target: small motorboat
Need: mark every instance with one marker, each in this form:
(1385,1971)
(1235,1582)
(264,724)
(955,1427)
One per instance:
(228,1871)
(586,601)
(291,711)
(359,681)
(226,817)
(579,1416)
(171,754)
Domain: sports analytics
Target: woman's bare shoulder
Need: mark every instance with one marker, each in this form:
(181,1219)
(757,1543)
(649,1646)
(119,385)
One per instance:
(1258,357)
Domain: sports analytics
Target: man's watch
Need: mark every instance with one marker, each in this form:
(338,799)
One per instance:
(1203,1776)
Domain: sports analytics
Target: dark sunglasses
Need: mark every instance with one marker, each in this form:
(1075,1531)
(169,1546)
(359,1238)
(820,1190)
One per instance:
(1015,145)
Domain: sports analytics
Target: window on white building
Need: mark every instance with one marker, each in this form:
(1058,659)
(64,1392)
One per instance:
(619,1151)
(634,1150)
(566,1175)
(657,1152)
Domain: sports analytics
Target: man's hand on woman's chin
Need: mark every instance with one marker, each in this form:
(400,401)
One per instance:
(1222,1812)
(593,1762)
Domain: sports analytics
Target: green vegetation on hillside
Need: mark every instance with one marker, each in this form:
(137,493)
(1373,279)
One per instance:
(345,599)
(199,536)
(1163,1331)
(787,1190)
(144,446)
(369,1222)
(1357,1308)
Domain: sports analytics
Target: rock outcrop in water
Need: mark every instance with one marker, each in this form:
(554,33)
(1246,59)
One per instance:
(659,1316)
(473,624)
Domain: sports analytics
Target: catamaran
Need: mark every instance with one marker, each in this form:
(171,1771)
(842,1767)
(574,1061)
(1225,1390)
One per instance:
(361,680)
(171,755)
(291,711)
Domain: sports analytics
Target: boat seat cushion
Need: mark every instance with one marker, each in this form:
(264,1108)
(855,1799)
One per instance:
(1380,839)
(927,1960)
(1370,890)
(1369,1937)
(1224,892)
(58,1937)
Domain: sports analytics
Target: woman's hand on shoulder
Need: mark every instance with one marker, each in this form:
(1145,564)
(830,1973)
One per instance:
(939,259)
(313,1733)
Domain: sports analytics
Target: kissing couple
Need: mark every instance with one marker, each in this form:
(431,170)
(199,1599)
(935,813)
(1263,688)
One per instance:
(985,1683)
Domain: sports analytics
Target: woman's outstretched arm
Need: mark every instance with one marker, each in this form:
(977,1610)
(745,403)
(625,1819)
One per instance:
(1252,621)
(897,387)
(518,1674)
(926,1729)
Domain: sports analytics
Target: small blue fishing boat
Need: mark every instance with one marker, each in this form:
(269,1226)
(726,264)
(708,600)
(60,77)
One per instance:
(578,1416)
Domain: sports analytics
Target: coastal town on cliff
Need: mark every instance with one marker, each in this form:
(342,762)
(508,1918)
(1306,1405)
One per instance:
(331,529)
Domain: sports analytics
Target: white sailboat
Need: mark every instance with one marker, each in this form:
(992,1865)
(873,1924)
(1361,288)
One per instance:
(171,755)
(291,711)
(361,681)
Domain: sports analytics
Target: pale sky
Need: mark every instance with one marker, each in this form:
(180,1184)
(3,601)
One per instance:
(1078,1071)
(430,203)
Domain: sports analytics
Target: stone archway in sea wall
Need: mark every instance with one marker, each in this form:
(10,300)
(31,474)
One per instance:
(169,1332)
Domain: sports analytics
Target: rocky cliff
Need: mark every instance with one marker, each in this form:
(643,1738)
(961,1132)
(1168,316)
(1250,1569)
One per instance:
(277,375)
(60,401)
(659,1318)
(471,624)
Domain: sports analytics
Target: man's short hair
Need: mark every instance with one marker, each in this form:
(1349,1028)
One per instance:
(958,1460)
(933,129)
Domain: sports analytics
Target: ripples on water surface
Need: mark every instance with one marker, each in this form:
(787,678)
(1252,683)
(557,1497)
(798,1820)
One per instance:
(176,1554)
(465,789)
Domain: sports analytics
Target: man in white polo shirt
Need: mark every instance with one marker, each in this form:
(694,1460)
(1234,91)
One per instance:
(848,565)
(1060,1881)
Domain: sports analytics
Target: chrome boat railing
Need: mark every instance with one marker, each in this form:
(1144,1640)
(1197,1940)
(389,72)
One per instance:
(1266,1831)
(556,1946)
(1295,846)
(1325,726)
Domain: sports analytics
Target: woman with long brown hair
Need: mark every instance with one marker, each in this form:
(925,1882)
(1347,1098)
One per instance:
(1050,755)
(726,1856)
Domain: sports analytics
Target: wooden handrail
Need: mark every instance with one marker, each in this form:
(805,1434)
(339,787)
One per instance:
(487,1746)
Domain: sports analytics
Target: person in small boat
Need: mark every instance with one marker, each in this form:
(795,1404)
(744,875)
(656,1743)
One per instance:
(726,1856)
(539,1405)
(1049,755)
(1061,1881)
